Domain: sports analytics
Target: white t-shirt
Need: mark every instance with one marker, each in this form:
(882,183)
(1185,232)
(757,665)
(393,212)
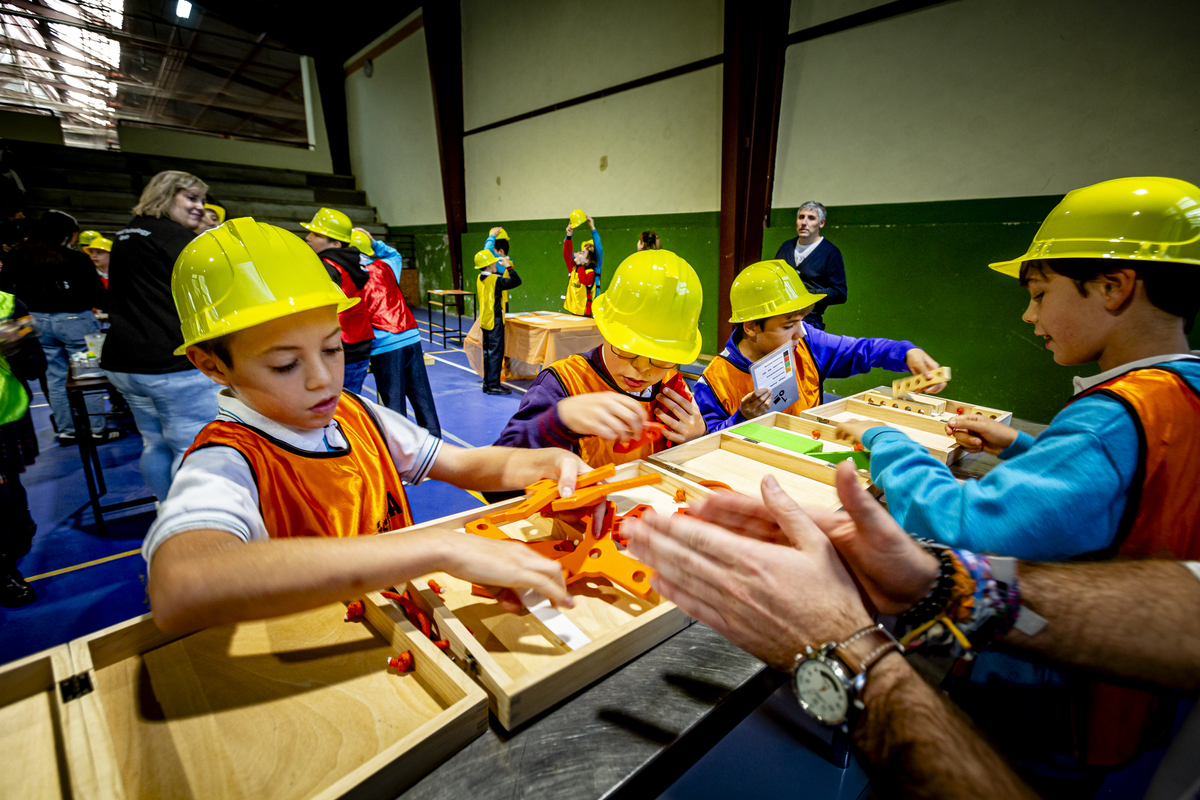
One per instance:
(802,250)
(215,489)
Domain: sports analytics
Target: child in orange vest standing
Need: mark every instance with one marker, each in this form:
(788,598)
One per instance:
(271,511)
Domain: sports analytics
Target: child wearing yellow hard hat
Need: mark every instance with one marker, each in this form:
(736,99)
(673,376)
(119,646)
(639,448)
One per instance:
(99,249)
(769,306)
(491,299)
(272,509)
(586,403)
(583,266)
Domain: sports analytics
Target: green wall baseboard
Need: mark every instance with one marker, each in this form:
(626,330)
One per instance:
(915,271)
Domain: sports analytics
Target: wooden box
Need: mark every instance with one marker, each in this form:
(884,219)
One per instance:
(302,706)
(741,463)
(521,664)
(922,419)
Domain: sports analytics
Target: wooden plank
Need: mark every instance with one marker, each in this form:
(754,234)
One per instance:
(31,732)
(909,419)
(915,383)
(906,403)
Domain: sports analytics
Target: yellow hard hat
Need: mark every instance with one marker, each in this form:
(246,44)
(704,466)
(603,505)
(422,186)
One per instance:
(652,307)
(87,237)
(578,217)
(1154,220)
(503,234)
(218,210)
(362,240)
(766,289)
(99,243)
(330,223)
(243,274)
(587,243)
(485,258)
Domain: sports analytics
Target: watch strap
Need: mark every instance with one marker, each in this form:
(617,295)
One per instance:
(863,648)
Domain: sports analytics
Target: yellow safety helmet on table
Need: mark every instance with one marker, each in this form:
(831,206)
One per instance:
(767,289)
(98,242)
(243,274)
(87,237)
(652,307)
(1152,220)
(578,218)
(362,241)
(330,223)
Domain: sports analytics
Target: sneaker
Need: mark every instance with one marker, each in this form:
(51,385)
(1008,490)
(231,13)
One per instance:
(107,435)
(66,440)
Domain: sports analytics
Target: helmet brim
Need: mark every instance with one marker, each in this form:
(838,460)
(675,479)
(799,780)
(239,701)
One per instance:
(269,312)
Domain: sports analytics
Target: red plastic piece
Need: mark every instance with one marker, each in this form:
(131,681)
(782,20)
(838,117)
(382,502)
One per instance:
(651,432)
(680,496)
(960,411)
(479,591)
(402,662)
(716,485)
(354,611)
(411,610)
(816,434)
(442,644)
(436,587)
(858,447)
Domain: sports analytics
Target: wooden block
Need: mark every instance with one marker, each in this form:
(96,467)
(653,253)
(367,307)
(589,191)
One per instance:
(915,383)
(905,403)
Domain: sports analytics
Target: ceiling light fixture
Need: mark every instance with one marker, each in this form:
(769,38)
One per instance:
(183,9)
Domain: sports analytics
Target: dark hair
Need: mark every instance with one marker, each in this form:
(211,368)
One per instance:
(54,228)
(218,347)
(1170,287)
(649,240)
(501,245)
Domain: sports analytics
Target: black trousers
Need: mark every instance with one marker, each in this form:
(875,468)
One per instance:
(400,375)
(493,356)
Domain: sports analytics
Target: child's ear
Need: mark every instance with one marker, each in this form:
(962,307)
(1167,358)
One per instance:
(209,364)
(1118,286)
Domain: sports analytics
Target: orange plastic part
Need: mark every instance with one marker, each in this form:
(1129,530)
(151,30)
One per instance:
(816,434)
(716,485)
(680,496)
(539,495)
(651,432)
(597,556)
(594,494)
(402,662)
(354,611)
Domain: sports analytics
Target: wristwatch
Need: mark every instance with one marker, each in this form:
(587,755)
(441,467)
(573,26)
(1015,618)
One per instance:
(829,680)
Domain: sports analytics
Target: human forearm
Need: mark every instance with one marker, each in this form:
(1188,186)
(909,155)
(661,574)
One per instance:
(203,578)
(494,469)
(920,746)
(1130,619)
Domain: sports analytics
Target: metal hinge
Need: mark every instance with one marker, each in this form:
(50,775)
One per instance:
(668,467)
(75,687)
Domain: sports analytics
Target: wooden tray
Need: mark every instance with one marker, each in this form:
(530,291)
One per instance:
(924,423)
(741,463)
(524,667)
(301,706)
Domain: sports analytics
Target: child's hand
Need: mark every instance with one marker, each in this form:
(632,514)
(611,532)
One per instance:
(852,430)
(976,432)
(530,466)
(570,229)
(684,422)
(919,363)
(756,403)
(509,564)
(494,232)
(591,222)
(611,416)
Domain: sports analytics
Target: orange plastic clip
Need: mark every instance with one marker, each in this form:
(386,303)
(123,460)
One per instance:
(402,662)
(651,432)
(354,611)
(594,494)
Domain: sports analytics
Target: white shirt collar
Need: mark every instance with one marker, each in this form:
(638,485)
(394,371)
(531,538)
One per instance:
(1083,384)
(317,441)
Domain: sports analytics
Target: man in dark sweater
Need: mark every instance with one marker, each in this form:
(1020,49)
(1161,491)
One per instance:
(817,260)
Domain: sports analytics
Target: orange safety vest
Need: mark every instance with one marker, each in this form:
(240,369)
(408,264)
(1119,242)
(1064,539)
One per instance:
(577,376)
(351,492)
(730,383)
(1161,520)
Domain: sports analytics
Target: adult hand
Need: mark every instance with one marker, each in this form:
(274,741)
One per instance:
(609,415)
(919,363)
(852,430)
(976,432)
(684,421)
(495,563)
(769,599)
(756,403)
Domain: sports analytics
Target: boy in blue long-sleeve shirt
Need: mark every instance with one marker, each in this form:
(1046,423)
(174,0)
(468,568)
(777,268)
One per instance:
(769,307)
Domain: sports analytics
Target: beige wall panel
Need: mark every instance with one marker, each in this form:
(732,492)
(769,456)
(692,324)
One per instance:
(982,99)
(527,54)
(661,144)
(393,136)
(806,13)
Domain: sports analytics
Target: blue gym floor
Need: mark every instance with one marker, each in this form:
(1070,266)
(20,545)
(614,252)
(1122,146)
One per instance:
(86,582)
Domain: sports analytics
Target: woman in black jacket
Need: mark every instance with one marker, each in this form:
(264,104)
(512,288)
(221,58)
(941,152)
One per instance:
(170,399)
(60,287)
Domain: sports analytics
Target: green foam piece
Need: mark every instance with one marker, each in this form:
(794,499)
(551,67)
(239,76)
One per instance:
(780,438)
(861,458)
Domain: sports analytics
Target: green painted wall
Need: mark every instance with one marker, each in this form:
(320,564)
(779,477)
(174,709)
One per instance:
(915,271)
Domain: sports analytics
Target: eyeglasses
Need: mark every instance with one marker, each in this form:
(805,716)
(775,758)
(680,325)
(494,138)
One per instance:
(654,362)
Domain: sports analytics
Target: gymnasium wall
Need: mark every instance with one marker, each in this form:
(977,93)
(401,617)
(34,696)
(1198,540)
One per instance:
(938,139)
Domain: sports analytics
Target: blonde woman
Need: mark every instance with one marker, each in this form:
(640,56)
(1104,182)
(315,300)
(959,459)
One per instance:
(170,400)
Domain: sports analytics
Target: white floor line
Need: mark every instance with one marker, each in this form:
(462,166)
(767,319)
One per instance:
(447,434)
(514,388)
(456,366)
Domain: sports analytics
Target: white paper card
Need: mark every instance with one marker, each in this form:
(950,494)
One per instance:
(777,371)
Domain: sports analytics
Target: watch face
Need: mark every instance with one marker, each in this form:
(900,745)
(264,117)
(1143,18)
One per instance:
(821,693)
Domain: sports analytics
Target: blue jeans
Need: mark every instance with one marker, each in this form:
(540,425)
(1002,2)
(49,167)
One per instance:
(355,374)
(400,374)
(61,334)
(169,409)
